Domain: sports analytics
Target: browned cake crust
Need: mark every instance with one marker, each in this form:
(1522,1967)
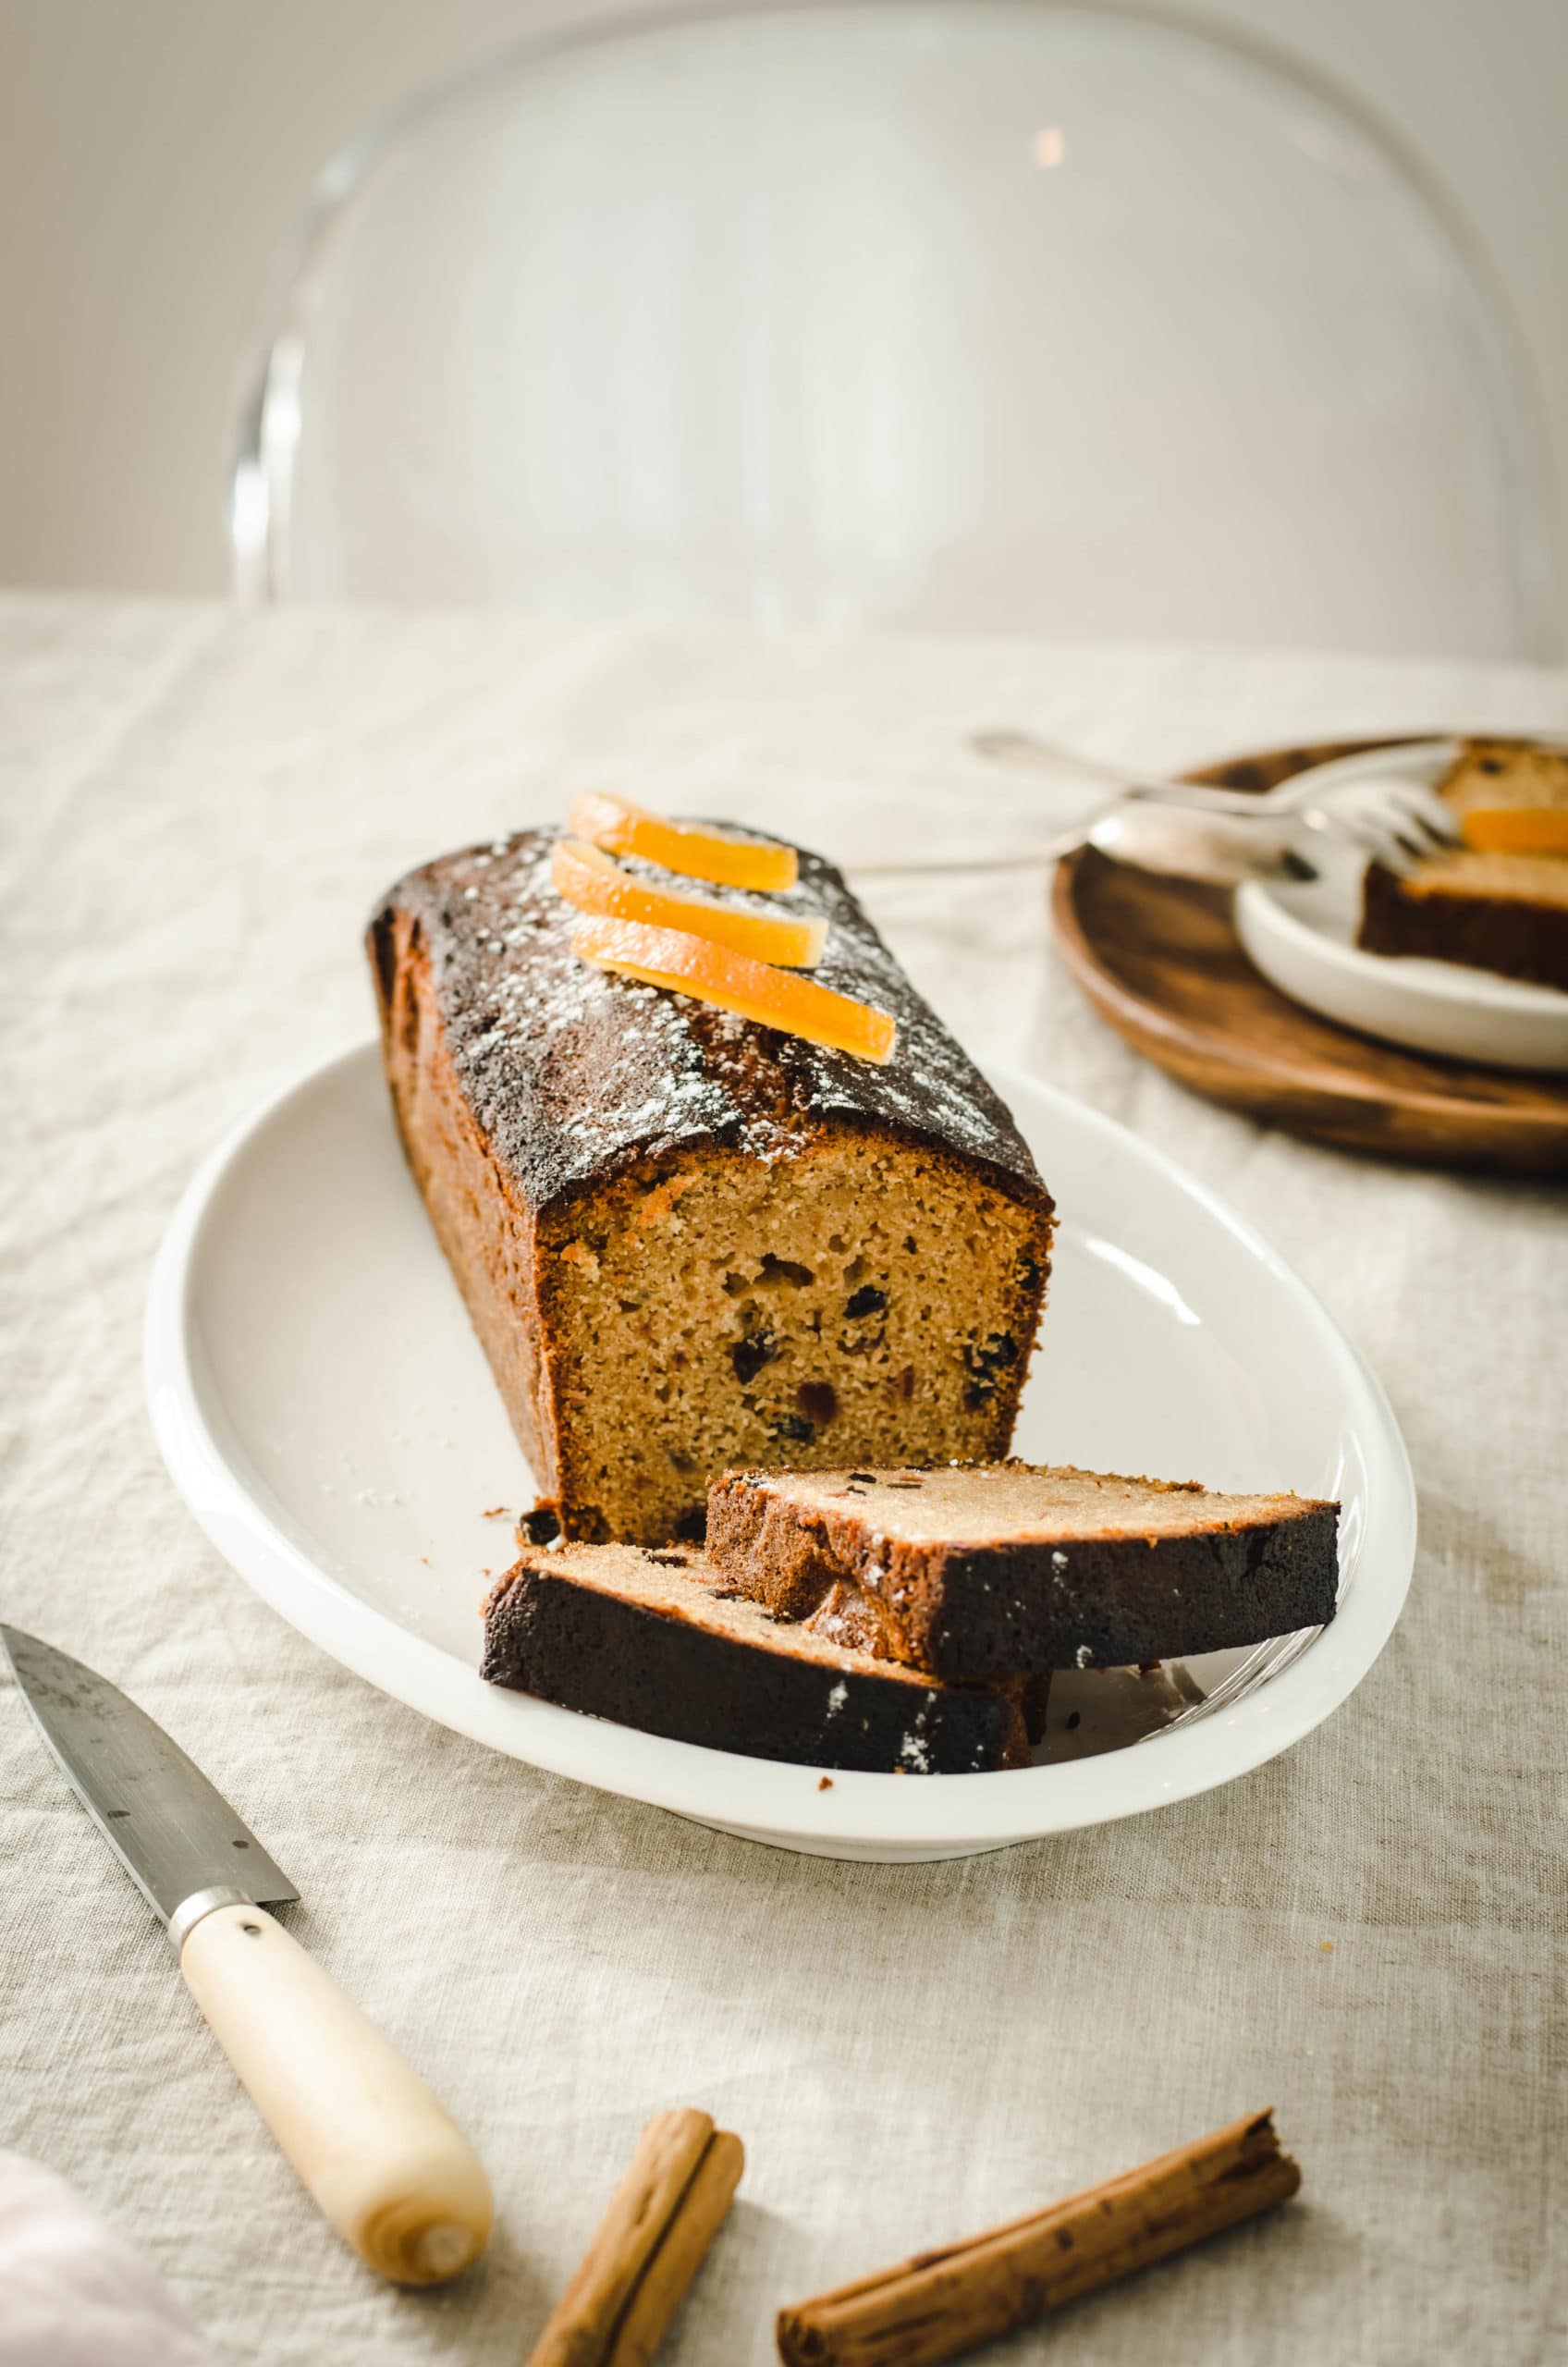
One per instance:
(847,1616)
(646,1638)
(983,1572)
(686,1241)
(1505,913)
(1516,939)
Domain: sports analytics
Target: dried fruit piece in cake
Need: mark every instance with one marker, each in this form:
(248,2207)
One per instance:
(595,883)
(1494,904)
(988,1570)
(693,965)
(699,851)
(688,1244)
(652,1639)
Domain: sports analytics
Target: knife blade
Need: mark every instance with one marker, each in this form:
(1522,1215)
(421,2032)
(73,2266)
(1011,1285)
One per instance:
(172,1830)
(380,2157)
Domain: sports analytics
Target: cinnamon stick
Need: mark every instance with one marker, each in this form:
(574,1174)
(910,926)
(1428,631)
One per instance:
(656,2297)
(648,2246)
(932,2306)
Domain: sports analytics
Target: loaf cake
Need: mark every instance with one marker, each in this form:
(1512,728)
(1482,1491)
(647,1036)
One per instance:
(1486,907)
(687,1241)
(649,1637)
(987,1571)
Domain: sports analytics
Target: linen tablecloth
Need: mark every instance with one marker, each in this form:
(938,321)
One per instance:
(199,809)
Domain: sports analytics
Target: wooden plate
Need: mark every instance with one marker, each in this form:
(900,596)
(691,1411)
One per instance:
(1159,959)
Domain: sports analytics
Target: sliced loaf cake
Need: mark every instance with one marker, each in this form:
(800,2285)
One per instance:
(985,1571)
(654,1639)
(1483,905)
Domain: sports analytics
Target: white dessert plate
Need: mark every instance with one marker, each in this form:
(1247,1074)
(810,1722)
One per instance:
(327,1414)
(1302,936)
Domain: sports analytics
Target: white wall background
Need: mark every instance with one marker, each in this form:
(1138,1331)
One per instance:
(151,152)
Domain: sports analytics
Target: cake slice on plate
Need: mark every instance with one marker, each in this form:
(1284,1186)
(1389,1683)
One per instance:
(652,1638)
(984,1571)
(1501,900)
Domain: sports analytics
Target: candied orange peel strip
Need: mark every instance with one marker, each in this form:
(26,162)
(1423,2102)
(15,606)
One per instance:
(696,966)
(1516,830)
(621,827)
(595,883)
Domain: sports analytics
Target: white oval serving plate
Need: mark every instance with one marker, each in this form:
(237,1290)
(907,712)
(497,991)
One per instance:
(330,1418)
(1302,934)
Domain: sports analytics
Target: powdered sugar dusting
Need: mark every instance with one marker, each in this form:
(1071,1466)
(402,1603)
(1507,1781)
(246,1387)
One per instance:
(575,1072)
(915,1751)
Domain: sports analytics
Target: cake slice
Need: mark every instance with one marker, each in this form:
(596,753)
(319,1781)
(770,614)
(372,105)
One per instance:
(651,1638)
(689,1242)
(980,1571)
(1490,910)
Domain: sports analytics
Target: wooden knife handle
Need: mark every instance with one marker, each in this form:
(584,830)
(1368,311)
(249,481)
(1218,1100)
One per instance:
(379,2157)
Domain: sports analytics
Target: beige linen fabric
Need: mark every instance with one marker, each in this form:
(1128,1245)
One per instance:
(198,811)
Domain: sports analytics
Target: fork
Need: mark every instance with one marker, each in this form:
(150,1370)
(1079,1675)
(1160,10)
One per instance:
(1220,835)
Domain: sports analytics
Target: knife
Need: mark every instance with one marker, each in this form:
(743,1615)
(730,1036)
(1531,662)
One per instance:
(377,2154)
